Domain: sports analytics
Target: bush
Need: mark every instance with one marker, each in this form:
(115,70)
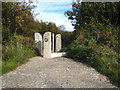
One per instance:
(16,52)
(110,68)
(101,57)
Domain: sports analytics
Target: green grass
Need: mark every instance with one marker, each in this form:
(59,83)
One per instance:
(8,66)
(14,58)
(110,68)
(16,52)
(101,57)
(107,66)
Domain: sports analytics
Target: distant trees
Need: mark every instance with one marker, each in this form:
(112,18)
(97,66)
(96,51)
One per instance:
(67,37)
(18,18)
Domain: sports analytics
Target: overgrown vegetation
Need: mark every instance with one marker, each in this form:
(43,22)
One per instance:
(16,52)
(97,37)
(18,29)
(101,57)
(17,39)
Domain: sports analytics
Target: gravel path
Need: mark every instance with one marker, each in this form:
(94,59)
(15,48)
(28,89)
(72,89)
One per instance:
(54,73)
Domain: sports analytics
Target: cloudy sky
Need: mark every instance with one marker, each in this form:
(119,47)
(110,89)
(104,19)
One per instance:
(53,11)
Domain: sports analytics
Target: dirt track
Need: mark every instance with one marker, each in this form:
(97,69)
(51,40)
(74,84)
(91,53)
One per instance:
(54,73)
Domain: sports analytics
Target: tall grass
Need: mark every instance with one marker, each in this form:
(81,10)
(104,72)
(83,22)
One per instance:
(101,57)
(16,52)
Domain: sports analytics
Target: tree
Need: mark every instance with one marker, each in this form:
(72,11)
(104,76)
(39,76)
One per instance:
(99,21)
(18,18)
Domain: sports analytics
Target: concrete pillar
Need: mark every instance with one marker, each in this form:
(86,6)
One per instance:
(53,42)
(58,42)
(47,45)
(38,42)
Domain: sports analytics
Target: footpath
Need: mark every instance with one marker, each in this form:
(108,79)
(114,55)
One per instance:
(54,73)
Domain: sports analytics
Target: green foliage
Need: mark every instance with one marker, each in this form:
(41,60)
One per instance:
(100,12)
(18,29)
(97,28)
(48,27)
(81,50)
(99,21)
(100,57)
(16,52)
(67,37)
(109,67)
(18,18)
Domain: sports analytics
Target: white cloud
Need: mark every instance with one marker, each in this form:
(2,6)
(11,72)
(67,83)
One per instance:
(57,18)
(59,8)
(54,12)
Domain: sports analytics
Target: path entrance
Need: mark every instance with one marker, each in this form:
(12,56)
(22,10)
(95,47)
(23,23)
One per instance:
(49,46)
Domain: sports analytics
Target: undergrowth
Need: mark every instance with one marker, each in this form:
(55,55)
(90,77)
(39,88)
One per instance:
(16,52)
(101,57)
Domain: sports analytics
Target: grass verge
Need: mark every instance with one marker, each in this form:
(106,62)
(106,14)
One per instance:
(101,57)
(16,52)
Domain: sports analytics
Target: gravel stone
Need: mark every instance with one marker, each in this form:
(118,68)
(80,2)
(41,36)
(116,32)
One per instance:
(54,73)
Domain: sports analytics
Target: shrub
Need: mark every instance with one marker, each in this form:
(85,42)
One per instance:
(101,57)
(16,52)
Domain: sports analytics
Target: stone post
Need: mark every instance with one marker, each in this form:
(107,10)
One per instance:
(53,42)
(47,45)
(58,42)
(38,42)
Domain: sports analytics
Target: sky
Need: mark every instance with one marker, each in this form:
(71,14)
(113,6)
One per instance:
(53,11)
